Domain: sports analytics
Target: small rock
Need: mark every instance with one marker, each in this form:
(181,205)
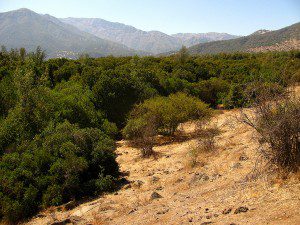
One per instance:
(127,186)
(241,209)
(179,180)
(138,183)
(70,205)
(208,217)
(198,178)
(216,176)
(159,188)
(155,195)
(123,181)
(70,220)
(40,215)
(206,210)
(150,174)
(243,158)
(125,173)
(164,211)
(154,179)
(132,211)
(227,211)
(190,220)
(237,166)
(205,223)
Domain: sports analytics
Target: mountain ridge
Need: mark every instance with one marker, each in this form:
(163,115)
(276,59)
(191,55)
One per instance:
(26,28)
(152,41)
(71,37)
(255,40)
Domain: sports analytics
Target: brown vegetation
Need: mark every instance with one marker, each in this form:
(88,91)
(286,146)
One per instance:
(276,120)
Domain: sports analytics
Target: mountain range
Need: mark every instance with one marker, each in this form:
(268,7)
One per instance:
(25,28)
(154,42)
(284,39)
(71,37)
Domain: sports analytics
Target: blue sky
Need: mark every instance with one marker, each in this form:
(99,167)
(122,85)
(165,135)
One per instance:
(173,16)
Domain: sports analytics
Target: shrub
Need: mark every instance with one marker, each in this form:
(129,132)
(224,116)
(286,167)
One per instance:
(206,143)
(206,138)
(162,115)
(245,95)
(116,94)
(165,114)
(63,163)
(277,123)
(211,91)
(235,97)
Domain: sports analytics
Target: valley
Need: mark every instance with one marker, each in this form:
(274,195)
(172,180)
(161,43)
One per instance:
(149,112)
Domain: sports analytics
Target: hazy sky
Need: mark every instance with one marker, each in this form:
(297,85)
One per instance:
(173,16)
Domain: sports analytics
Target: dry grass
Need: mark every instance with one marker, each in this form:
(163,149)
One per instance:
(276,120)
(206,143)
(183,201)
(97,219)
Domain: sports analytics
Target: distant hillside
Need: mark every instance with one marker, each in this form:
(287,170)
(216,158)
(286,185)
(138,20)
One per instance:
(260,32)
(284,46)
(25,28)
(153,41)
(256,40)
(190,39)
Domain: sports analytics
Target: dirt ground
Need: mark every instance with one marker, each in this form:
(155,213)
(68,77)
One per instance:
(227,186)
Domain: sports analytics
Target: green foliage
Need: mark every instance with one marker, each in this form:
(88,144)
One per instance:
(211,91)
(65,72)
(164,114)
(235,97)
(54,144)
(8,96)
(58,117)
(182,55)
(117,94)
(62,163)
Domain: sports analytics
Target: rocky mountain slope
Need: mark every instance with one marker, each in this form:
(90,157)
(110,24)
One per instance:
(154,42)
(25,28)
(284,46)
(190,39)
(224,188)
(256,40)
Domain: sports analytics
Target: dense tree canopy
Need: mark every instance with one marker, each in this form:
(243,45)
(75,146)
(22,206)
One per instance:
(59,118)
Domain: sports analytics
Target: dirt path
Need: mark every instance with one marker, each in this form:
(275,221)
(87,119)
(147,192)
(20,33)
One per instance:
(216,192)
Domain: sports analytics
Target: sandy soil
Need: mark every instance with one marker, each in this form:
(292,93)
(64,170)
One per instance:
(209,193)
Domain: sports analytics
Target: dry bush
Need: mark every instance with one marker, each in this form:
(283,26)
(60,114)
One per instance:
(147,148)
(206,138)
(146,140)
(206,143)
(276,120)
(97,219)
(193,155)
